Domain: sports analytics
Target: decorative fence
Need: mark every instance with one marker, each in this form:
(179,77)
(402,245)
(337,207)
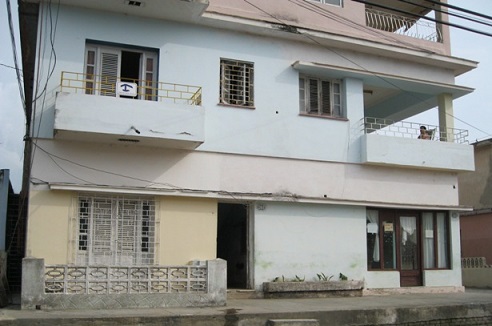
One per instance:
(476,273)
(111,287)
(401,25)
(125,280)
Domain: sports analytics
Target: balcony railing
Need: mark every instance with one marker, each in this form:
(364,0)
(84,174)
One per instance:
(407,129)
(146,90)
(403,25)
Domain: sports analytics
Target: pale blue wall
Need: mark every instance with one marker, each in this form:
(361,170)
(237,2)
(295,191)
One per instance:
(191,55)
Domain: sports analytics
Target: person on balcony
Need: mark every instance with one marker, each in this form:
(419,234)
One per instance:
(423,133)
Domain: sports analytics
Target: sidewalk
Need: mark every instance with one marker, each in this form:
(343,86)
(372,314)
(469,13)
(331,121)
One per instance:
(474,307)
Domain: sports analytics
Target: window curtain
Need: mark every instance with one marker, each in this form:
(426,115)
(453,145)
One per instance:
(373,217)
(442,241)
(428,228)
(408,227)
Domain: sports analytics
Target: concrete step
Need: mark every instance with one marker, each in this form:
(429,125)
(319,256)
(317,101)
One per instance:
(243,294)
(293,322)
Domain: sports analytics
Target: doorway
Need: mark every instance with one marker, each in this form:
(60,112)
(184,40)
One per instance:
(232,242)
(410,262)
(400,242)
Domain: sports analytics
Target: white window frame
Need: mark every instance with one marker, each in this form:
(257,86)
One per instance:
(338,3)
(312,91)
(99,82)
(236,82)
(116,230)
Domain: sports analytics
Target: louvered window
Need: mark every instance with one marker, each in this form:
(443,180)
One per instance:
(320,97)
(116,231)
(236,83)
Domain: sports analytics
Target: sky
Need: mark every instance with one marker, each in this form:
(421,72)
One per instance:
(472,112)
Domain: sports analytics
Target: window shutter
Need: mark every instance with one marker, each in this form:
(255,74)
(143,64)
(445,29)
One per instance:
(313,96)
(337,100)
(149,76)
(90,70)
(302,95)
(109,72)
(325,97)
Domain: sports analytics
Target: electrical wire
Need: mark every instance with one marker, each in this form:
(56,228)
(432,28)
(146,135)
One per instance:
(424,17)
(479,21)
(459,9)
(310,6)
(11,67)
(14,52)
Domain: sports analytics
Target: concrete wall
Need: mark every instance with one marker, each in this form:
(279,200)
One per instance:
(295,239)
(476,272)
(48,226)
(476,235)
(188,230)
(216,174)
(102,290)
(476,186)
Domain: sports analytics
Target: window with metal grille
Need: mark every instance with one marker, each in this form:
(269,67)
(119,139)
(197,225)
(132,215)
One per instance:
(320,97)
(236,83)
(116,230)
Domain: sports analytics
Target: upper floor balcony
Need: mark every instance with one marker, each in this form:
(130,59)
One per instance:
(403,143)
(403,25)
(121,110)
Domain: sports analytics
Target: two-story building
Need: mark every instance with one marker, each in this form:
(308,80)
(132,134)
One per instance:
(275,135)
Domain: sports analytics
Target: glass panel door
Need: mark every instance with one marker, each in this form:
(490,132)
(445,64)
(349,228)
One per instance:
(410,271)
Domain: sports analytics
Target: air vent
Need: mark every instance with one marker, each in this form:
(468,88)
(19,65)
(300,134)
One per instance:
(134,3)
(128,140)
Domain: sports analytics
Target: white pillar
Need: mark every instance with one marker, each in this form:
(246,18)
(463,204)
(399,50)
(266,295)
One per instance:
(446,117)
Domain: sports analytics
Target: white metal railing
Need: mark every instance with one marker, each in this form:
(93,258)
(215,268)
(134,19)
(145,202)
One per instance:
(406,129)
(402,25)
(63,279)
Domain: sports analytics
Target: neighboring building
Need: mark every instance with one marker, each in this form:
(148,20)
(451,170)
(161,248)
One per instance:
(288,155)
(475,190)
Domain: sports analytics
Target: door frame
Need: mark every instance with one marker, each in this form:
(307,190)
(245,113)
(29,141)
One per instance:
(249,238)
(407,277)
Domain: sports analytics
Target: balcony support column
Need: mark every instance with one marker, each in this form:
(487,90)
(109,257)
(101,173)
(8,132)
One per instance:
(446,116)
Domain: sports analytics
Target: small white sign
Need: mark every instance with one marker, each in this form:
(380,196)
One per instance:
(126,89)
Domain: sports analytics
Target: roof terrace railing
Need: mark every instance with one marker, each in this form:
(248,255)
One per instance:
(406,129)
(146,90)
(402,25)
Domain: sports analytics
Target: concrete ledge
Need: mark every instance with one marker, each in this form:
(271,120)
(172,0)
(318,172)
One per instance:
(312,289)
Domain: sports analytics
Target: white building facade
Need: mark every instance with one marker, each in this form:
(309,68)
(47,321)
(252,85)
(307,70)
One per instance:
(266,133)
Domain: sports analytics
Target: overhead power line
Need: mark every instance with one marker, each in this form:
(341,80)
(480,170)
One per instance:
(14,51)
(424,17)
(479,21)
(7,66)
(459,9)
